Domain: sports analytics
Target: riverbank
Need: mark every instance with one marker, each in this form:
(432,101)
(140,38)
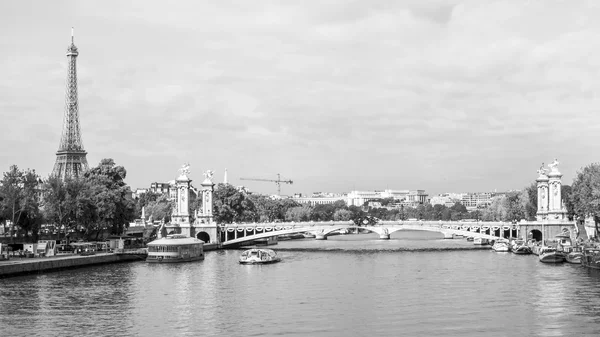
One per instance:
(20,266)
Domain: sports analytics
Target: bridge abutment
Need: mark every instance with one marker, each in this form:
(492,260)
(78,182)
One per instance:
(384,236)
(320,236)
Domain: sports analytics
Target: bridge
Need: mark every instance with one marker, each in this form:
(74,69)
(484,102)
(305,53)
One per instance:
(234,234)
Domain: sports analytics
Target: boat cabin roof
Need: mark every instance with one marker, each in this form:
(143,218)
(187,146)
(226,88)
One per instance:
(259,250)
(175,240)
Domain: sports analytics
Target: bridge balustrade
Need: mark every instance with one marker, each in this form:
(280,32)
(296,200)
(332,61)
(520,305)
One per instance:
(248,232)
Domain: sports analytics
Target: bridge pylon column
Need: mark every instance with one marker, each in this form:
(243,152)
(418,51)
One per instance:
(384,234)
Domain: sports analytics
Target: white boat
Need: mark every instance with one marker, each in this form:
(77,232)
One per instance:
(519,246)
(549,254)
(259,256)
(175,248)
(481,241)
(501,246)
(572,253)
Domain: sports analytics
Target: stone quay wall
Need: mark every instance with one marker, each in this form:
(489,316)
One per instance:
(21,266)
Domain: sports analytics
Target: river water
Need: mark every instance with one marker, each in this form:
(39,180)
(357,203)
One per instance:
(351,285)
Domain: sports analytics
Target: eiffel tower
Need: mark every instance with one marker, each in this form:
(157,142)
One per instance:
(71,157)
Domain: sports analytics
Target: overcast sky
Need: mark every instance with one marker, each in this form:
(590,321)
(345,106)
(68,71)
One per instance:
(446,96)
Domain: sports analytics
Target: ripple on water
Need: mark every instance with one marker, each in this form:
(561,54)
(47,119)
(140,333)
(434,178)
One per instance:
(339,288)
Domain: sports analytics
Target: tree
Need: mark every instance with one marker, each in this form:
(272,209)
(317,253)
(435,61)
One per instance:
(300,213)
(145,199)
(30,204)
(342,215)
(585,193)
(231,205)
(322,212)
(11,190)
(160,209)
(565,192)
(529,201)
(55,205)
(107,193)
(497,209)
(514,207)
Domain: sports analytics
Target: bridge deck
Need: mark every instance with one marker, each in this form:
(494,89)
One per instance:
(324,228)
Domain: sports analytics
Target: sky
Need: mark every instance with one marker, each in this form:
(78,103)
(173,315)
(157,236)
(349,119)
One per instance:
(441,95)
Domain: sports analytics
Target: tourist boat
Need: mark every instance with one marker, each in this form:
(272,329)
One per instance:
(259,256)
(534,246)
(480,241)
(591,257)
(572,253)
(175,248)
(575,255)
(550,253)
(519,247)
(501,246)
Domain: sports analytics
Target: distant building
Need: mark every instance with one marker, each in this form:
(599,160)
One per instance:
(410,198)
(138,191)
(446,199)
(161,188)
(318,200)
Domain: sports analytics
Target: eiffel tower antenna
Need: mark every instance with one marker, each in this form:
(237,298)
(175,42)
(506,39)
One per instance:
(71,158)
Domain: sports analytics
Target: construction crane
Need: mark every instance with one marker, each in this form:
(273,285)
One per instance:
(278,182)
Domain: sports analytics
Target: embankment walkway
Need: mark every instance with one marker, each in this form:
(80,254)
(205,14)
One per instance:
(20,266)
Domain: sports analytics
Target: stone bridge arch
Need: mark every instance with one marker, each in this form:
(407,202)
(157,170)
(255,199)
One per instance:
(204,236)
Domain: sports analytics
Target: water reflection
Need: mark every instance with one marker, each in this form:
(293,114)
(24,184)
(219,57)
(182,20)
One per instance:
(346,288)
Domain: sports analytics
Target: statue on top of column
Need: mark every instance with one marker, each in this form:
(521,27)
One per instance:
(209,174)
(542,170)
(185,169)
(554,165)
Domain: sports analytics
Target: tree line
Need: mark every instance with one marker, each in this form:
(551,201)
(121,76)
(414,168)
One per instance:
(96,203)
(100,202)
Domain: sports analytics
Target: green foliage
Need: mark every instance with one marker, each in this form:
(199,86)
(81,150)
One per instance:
(107,193)
(529,201)
(160,208)
(231,205)
(514,207)
(585,193)
(342,214)
(96,203)
(299,213)
(20,201)
(565,192)
(144,200)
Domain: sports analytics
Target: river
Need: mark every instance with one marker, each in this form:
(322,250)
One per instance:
(351,285)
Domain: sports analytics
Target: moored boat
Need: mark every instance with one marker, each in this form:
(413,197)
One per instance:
(520,247)
(480,241)
(575,255)
(572,253)
(259,256)
(175,248)
(501,246)
(549,254)
(591,257)
(534,246)
(522,250)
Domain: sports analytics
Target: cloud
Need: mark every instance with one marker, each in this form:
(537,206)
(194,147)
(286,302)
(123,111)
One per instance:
(406,86)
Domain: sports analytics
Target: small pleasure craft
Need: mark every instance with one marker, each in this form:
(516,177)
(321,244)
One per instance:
(259,256)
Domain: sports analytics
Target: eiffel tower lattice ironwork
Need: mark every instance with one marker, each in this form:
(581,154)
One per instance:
(71,157)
